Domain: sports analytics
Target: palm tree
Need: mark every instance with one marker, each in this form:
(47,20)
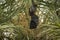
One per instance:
(48,12)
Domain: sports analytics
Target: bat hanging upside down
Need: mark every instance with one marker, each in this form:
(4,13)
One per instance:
(34,18)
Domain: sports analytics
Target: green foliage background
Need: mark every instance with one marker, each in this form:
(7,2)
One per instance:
(49,21)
